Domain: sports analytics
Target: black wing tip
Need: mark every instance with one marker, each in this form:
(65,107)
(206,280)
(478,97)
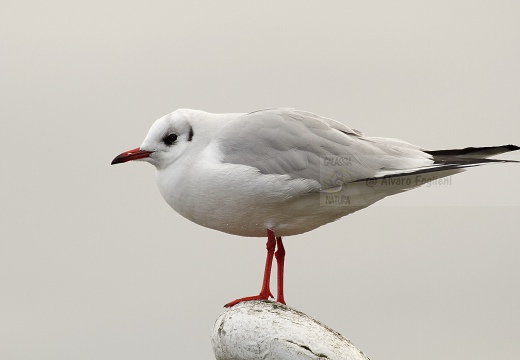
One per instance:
(470,150)
(511,147)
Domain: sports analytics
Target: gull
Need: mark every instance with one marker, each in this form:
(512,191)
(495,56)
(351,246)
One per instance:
(284,172)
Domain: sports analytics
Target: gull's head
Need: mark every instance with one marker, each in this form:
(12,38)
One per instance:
(165,142)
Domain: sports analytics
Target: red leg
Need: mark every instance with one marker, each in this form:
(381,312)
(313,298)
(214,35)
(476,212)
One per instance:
(265,293)
(280,256)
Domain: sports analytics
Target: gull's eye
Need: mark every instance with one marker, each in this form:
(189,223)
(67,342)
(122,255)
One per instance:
(170,139)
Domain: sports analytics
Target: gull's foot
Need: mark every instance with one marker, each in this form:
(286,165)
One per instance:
(260,296)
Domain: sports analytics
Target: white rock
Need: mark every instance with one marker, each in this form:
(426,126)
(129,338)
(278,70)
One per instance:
(269,330)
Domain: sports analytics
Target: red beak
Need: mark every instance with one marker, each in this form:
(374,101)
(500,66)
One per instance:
(130,155)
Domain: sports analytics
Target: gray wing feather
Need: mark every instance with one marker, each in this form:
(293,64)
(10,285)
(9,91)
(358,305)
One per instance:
(303,145)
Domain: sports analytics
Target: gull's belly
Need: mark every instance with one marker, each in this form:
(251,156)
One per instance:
(238,200)
(253,216)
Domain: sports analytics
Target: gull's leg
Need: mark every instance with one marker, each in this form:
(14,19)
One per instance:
(265,293)
(280,256)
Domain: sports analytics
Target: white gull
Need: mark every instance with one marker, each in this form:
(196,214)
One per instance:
(283,172)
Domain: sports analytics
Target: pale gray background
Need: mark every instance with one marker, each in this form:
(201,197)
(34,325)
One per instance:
(95,265)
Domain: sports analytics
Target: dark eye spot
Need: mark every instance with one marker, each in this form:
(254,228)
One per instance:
(170,139)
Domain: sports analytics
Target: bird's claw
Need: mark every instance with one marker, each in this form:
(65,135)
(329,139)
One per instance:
(260,296)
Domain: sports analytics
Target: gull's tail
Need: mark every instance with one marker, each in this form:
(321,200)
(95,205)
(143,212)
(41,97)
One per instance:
(458,159)
(364,192)
(445,163)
